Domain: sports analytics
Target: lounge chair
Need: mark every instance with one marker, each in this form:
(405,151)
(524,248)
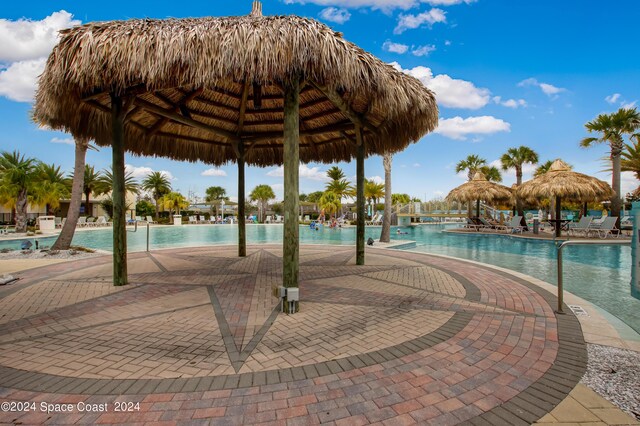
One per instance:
(150,220)
(373,220)
(582,227)
(515,225)
(58,222)
(269,219)
(192,219)
(101,221)
(488,225)
(606,228)
(82,222)
(91,221)
(474,223)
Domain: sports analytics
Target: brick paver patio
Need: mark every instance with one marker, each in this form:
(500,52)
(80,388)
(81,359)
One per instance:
(197,337)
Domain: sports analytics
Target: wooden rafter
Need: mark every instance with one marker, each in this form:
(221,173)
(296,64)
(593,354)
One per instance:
(337,100)
(184,120)
(176,107)
(334,128)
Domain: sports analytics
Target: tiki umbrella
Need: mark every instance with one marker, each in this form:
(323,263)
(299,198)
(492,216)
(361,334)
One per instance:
(479,188)
(564,184)
(258,90)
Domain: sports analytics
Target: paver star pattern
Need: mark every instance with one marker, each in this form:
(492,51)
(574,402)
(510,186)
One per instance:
(197,335)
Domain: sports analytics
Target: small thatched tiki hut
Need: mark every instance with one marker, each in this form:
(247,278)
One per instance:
(562,183)
(257,90)
(479,188)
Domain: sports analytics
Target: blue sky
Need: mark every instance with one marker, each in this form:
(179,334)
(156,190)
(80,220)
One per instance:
(506,73)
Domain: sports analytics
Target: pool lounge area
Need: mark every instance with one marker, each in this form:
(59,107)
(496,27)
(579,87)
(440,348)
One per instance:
(599,274)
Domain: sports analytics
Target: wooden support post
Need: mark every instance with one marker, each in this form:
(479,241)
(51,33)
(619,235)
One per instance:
(118,194)
(242,232)
(359,196)
(558,216)
(291,159)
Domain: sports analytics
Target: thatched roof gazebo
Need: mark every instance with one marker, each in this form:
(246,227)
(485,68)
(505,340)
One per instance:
(479,188)
(562,183)
(257,90)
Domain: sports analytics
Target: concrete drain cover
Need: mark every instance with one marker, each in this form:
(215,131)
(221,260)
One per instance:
(578,311)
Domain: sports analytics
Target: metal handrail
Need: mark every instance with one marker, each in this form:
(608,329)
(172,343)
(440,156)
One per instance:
(576,243)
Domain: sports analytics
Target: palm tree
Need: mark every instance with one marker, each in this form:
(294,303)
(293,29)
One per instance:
(262,194)
(400,198)
(17,176)
(158,184)
(335,173)
(612,127)
(471,164)
(515,158)
(330,202)
(215,193)
(69,228)
(51,187)
(90,184)
(174,202)
(105,183)
(314,196)
(373,191)
(543,168)
(491,173)
(385,233)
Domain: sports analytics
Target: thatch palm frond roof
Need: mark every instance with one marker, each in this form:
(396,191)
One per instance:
(561,181)
(194,88)
(479,188)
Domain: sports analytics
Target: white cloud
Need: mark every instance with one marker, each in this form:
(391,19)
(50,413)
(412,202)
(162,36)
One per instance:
(510,103)
(547,89)
(376,179)
(612,99)
(409,22)
(459,128)
(447,42)
(447,2)
(214,172)
(450,92)
(25,39)
(417,165)
(386,6)
(142,172)
(18,81)
(305,172)
(333,14)
(390,46)
(509,175)
(628,182)
(68,141)
(24,47)
(423,50)
(628,105)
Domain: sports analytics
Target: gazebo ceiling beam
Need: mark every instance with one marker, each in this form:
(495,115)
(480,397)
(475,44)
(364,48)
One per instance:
(321,114)
(184,120)
(192,139)
(334,128)
(130,91)
(337,100)
(176,107)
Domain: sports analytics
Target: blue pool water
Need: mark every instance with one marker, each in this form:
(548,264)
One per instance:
(599,274)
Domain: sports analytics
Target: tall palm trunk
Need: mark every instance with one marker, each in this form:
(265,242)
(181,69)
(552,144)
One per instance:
(519,207)
(66,234)
(157,199)
(21,211)
(385,234)
(86,203)
(615,184)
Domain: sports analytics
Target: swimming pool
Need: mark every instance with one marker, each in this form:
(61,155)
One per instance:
(599,274)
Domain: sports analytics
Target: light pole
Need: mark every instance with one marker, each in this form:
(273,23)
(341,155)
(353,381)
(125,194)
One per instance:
(222,208)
